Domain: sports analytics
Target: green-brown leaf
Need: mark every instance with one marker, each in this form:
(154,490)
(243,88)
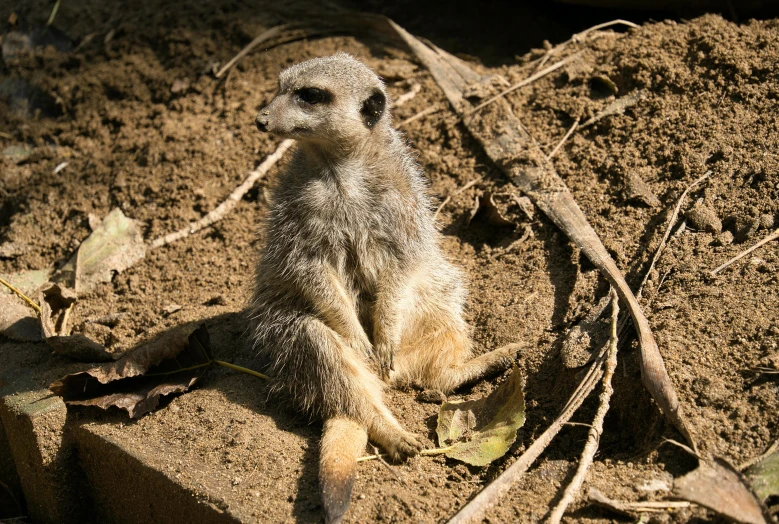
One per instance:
(480,431)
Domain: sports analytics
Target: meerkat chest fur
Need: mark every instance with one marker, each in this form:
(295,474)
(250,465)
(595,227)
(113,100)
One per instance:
(365,216)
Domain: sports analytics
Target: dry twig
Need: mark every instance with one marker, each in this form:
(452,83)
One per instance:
(228,204)
(579,36)
(457,192)
(21,295)
(523,83)
(754,460)
(596,430)
(405,97)
(262,37)
(425,112)
(744,253)
(562,141)
(668,229)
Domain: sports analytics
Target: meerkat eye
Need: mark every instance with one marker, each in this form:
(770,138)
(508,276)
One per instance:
(313,95)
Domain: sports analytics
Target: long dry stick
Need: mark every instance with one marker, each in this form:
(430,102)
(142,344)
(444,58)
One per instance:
(228,204)
(744,253)
(596,430)
(528,80)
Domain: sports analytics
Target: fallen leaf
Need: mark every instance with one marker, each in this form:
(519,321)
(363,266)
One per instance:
(764,476)
(115,245)
(485,209)
(483,430)
(170,364)
(54,302)
(719,487)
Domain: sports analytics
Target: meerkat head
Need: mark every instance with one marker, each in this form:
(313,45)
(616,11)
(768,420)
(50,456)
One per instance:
(331,100)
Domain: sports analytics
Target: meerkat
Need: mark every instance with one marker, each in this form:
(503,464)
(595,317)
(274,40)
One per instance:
(352,291)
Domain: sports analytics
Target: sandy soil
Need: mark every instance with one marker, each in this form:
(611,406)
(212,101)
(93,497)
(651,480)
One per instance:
(105,105)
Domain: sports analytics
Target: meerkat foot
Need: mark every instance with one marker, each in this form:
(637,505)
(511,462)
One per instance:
(385,357)
(405,445)
(397,442)
(484,365)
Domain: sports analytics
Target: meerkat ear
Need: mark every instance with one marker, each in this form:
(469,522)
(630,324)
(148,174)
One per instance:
(373,108)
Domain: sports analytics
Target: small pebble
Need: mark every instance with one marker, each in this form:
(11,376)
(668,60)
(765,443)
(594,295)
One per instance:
(767,221)
(725,238)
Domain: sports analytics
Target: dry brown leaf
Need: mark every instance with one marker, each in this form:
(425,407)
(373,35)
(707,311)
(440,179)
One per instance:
(135,382)
(719,487)
(115,245)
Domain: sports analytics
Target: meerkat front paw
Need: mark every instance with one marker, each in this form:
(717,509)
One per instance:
(403,445)
(384,354)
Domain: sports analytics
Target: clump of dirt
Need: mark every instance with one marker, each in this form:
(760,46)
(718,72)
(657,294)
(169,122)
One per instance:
(144,126)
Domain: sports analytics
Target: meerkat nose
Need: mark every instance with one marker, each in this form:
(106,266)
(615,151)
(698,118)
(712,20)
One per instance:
(262,123)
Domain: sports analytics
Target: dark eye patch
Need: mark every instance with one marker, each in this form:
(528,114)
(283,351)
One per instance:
(314,95)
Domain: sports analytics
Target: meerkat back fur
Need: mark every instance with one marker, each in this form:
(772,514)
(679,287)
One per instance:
(352,290)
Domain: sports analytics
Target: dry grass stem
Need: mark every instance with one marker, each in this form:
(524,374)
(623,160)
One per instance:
(425,112)
(744,253)
(562,141)
(668,229)
(593,437)
(578,37)
(262,37)
(21,295)
(523,83)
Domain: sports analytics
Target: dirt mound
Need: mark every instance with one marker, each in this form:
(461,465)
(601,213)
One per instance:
(125,98)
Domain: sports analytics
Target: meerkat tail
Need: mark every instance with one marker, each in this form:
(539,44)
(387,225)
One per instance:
(343,441)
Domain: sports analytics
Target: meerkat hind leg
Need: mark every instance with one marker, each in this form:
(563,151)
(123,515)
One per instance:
(441,361)
(354,390)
